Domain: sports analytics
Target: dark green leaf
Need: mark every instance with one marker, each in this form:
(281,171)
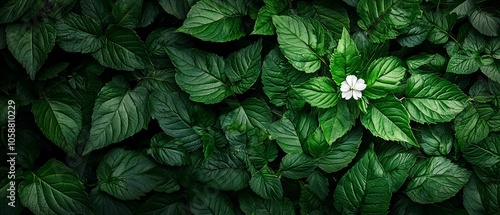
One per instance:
(318,184)
(469,127)
(178,8)
(77,33)
(98,10)
(296,166)
(435,140)
(252,113)
(341,152)
(167,151)
(224,171)
(253,204)
(485,22)
(14,9)
(383,77)
(204,202)
(485,153)
(284,132)
(481,198)
(336,121)
(243,67)
(463,63)
(263,24)
(106,204)
(396,162)
(162,204)
(127,13)
(266,184)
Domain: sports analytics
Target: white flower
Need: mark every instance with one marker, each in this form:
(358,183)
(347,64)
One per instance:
(352,87)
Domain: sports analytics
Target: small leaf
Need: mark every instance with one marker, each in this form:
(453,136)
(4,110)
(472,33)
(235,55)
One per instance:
(346,58)
(263,24)
(266,184)
(319,92)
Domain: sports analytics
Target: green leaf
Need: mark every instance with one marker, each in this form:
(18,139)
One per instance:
(122,174)
(396,161)
(435,179)
(31,44)
(481,198)
(440,26)
(425,63)
(318,184)
(382,19)
(14,9)
(215,20)
(383,77)
(77,33)
(159,80)
(119,112)
(168,152)
(319,92)
(162,204)
(430,99)
(492,71)
(127,13)
(435,140)
(224,171)
(464,9)
(28,147)
(474,42)
(98,10)
(266,184)
(178,8)
(278,77)
(485,153)
(263,24)
(296,166)
(207,203)
(341,152)
(346,58)
(463,64)
(333,16)
(485,22)
(303,41)
(414,35)
(253,204)
(150,11)
(161,38)
(201,74)
(252,113)
(122,49)
(364,188)
(59,117)
(243,67)
(336,121)
(106,204)
(387,118)
(54,189)
(470,127)
(171,111)
(283,131)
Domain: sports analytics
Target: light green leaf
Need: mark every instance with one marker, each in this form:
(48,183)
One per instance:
(278,77)
(435,140)
(470,127)
(463,63)
(98,10)
(383,77)
(318,184)
(303,41)
(171,111)
(481,198)
(341,152)
(252,113)
(167,151)
(346,58)
(162,204)
(253,204)
(178,8)
(319,92)
(283,131)
(296,166)
(210,203)
(201,74)
(336,121)
(387,118)
(430,99)
(215,20)
(105,204)
(54,189)
(263,24)
(364,188)
(77,33)
(435,179)
(485,22)
(127,13)
(122,49)
(440,26)
(224,171)
(243,67)
(396,161)
(14,9)
(31,44)
(485,153)
(122,174)
(382,19)
(119,112)
(59,117)
(266,184)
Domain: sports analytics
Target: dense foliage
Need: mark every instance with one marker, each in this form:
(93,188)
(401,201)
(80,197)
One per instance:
(251,106)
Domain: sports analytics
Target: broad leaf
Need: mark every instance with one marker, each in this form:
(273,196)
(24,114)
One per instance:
(383,77)
(14,9)
(98,10)
(127,13)
(481,198)
(492,71)
(396,162)
(284,132)
(161,38)
(413,35)
(54,189)
(485,153)
(387,118)
(243,67)
(341,152)
(77,33)
(382,19)
(318,184)
(105,204)
(440,26)
(215,20)
(168,152)
(336,121)
(296,166)
(205,203)
(485,22)
(266,184)
(170,109)
(303,41)
(252,113)
(201,74)
(122,174)
(263,24)
(463,63)
(364,188)
(435,179)
(435,140)
(430,99)
(470,127)
(346,58)
(178,8)
(119,112)
(319,92)
(31,44)
(122,49)
(224,171)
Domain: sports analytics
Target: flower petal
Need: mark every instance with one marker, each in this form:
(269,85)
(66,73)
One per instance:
(344,87)
(347,95)
(360,85)
(356,94)
(351,80)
